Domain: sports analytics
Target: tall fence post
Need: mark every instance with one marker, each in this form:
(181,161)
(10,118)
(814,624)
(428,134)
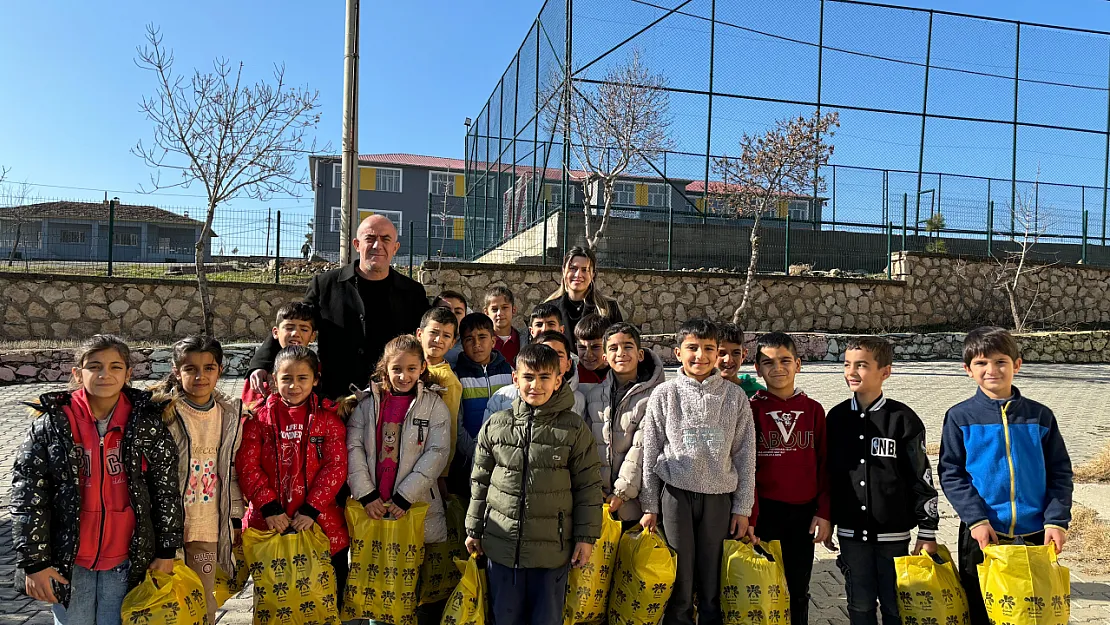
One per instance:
(924,110)
(277,250)
(834,198)
(786,253)
(889,247)
(111,233)
(1083,256)
(412,242)
(543,248)
(1106,162)
(1013,154)
(709,116)
(905,215)
(428,231)
(820,61)
(990,228)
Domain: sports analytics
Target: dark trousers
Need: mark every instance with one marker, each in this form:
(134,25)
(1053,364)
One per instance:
(342,569)
(696,526)
(970,556)
(526,596)
(789,524)
(430,613)
(869,576)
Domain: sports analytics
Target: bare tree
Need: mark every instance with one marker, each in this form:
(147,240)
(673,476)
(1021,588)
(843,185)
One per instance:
(1014,267)
(15,196)
(234,138)
(783,162)
(616,125)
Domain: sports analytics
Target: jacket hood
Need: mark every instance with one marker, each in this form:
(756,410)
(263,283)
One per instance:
(650,369)
(571,378)
(345,407)
(55,400)
(561,401)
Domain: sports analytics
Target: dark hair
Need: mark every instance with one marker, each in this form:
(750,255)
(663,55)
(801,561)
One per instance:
(545,310)
(880,348)
(989,340)
(698,328)
(406,343)
(297,311)
(195,344)
(474,322)
(441,316)
(591,327)
(538,357)
(496,291)
(555,335)
(775,339)
(98,343)
(622,328)
(298,353)
(446,295)
(730,333)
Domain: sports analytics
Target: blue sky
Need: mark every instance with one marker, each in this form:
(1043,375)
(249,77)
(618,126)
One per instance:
(70,114)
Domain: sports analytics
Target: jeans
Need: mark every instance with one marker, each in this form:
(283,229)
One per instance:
(869,575)
(95,597)
(789,524)
(696,526)
(526,596)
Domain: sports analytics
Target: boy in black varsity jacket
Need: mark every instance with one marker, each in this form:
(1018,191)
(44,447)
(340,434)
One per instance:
(881,483)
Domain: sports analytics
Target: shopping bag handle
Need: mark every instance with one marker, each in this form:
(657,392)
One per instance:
(936,558)
(763,552)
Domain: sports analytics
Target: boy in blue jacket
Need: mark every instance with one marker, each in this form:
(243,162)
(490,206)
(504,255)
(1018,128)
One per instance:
(1003,464)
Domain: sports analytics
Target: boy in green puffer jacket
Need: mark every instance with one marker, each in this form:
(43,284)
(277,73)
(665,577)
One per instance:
(535,492)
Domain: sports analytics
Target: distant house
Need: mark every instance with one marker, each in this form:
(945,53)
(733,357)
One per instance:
(78,231)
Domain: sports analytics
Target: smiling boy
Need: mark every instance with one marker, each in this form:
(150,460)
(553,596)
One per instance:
(731,356)
(437,332)
(544,318)
(500,305)
(482,371)
(295,324)
(1003,464)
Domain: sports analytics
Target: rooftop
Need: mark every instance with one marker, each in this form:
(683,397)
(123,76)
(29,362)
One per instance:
(96,211)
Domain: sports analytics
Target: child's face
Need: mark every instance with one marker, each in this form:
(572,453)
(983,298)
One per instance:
(436,339)
(404,371)
(863,373)
(564,357)
(543,324)
(994,373)
(536,386)
(294,332)
(104,374)
(456,306)
(478,345)
(730,357)
(501,312)
(698,356)
(295,380)
(622,354)
(592,354)
(198,373)
(777,366)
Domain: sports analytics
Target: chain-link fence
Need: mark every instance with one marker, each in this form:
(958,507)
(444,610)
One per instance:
(958,134)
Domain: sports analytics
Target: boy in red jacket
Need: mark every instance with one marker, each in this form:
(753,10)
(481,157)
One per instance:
(791,483)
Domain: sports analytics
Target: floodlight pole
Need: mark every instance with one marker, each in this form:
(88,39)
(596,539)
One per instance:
(349,202)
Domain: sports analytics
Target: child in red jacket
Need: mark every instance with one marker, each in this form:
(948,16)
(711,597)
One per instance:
(791,481)
(293,459)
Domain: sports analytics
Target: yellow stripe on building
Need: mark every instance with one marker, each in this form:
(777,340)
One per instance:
(367,178)
(460,185)
(459,228)
(641,194)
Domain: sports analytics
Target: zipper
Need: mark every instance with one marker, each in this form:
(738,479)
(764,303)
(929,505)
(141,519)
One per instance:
(1010,462)
(100,540)
(523,484)
(560,531)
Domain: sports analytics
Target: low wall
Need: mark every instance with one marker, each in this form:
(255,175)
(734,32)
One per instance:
(26,366)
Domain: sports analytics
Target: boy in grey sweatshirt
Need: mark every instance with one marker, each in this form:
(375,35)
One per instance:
(699,470)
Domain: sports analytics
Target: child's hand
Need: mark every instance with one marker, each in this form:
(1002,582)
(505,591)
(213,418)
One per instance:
(822,528)
(260,381)
(751,535)
(278,522)
(376,509)
(649,522)
(394,510)
(738,527)
(985,535)
(927,546)
(474,545)
(830,545)
(1057,537)
(163,565)
(582,553)
(615,503)
(301,522)
(38,585)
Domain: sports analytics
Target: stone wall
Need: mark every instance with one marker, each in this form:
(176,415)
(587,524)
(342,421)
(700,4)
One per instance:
(26,366)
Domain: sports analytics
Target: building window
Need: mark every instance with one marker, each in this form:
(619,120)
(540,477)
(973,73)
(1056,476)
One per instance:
(556,191)
(337,176)
(389,180)
(336,218)
(126,239)
(624,194)
(440,183)
(444,227)
(396,217)
(799,210)
(659,195)
(72,236)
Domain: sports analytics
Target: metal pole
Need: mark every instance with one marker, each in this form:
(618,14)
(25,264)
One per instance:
(411,243)
(112,203)
(1106,162)
(543,249)
(1013,154)
(940,180)
(834,198)
(885,200)
(924,110)
(709,122)
(268,220)
(538,179)
(1036,204)
(670,219)
(567,94)
(786,254)
(500,199)
(1083,256)
(905,214)
(889,244)
(428,231)
(990,228)
(349,202)
(277,250)
(817,147)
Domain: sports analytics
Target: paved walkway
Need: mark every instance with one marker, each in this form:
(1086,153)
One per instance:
(930,388)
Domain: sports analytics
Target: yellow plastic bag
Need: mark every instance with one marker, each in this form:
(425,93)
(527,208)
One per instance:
(753,585)
(467,605)
(385,564)
(226,587)
(930,589)
(1024,585)
(162,599)
(439,575)
(646,569)
(294,583)
(588,586)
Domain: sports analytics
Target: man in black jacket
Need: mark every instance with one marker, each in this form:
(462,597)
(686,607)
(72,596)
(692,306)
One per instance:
(362,306)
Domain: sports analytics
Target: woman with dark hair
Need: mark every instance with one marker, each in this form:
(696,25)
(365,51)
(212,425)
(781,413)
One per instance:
(577,295)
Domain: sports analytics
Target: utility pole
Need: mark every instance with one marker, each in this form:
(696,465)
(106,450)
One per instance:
(349,204)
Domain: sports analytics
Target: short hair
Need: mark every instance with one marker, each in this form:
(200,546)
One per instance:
(446,295)
(555,335)
(591,327)
(775,339)
(622,328)
(731,333)
(473,322)
(989,340)
(496,291)
(699,328)
(441,316)
(879,347)
(545,310)
(297,311)
(537,357)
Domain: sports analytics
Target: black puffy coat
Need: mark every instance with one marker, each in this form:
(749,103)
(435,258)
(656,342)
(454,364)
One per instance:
(46,494)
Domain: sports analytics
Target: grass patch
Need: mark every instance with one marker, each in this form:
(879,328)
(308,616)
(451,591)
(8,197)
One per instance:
(1088,541)
(1096,469)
